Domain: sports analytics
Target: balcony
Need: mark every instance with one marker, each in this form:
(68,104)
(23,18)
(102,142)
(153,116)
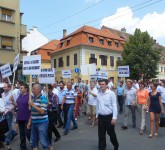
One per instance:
(23,30)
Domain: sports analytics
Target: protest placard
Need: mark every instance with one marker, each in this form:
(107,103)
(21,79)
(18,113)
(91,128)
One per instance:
(47,76)
(5,71)
(31,65)
(66,73)
(15,64)
(123,71)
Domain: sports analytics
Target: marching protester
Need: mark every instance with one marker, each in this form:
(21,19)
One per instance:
(130,105)
(79,102)
(23,115)
(92,101)
(61,94)
(38,121)
(120,94)
(142,101)
(52,114)
(107,115)
(9,113)
(68,105)
(155,108)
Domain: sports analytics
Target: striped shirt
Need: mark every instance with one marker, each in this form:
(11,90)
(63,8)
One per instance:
(70,96)
(41,102)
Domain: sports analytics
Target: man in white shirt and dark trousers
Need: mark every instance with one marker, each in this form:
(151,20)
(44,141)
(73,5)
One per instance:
(106,110)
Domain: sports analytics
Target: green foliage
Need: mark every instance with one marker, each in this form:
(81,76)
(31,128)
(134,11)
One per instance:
(141,55)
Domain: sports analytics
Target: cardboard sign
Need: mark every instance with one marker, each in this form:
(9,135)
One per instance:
(66,73)
(47,76)
(5,71)
(31,65)
(15,64)
(123,71)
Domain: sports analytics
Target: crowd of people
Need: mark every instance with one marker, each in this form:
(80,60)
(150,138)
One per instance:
(40,112)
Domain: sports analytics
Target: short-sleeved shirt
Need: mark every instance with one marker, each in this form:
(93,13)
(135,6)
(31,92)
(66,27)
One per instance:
(161,89)
(130,96)
(41,102)
(61,95)
(70,96)
(142,96)
(23,112)
(120,90)
(91,99)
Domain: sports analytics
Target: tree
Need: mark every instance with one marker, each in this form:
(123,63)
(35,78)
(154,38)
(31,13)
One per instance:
(141,55)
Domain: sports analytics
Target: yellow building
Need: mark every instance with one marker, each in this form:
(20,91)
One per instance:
(11,31)
(88,45)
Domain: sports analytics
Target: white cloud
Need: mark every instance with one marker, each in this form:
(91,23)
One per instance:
(92,1)
(151,22)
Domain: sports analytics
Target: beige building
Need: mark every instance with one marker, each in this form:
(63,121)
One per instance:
(88,45)
(11,31)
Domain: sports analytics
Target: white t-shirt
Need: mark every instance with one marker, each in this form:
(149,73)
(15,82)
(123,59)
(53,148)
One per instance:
(2,105)
(110,84)
(161,89)
(15,93)
(91,99)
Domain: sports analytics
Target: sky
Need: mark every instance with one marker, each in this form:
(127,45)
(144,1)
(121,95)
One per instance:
(52,16)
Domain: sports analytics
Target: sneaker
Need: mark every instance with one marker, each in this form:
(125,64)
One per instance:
(66,132)
(124,127)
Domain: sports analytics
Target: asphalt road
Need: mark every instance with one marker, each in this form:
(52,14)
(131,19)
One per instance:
(86,138)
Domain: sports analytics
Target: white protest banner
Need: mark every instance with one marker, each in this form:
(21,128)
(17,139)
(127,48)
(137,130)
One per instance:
(84,69)
(47,76)
(100,75)
(66,73)
(31,65)
(5,71)
(123,71)
(15,64)
(92,69)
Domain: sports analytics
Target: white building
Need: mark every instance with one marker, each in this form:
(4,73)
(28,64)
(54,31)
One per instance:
(33,40)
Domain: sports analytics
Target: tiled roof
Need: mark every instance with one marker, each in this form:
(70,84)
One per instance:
(81,37)
(46,49)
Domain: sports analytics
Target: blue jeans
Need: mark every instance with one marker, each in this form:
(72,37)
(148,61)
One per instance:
(11,133)
(70,116)
(39,132)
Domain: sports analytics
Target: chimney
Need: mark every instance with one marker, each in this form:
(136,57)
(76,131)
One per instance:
(64,33)
(123,30)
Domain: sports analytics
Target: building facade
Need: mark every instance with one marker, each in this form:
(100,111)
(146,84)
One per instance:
(88,45)
(12,31)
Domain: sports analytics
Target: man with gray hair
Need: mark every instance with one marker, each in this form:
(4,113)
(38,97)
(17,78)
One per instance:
(39,119)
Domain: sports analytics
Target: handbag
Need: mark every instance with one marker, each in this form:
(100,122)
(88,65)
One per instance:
(3,125)
(162,121)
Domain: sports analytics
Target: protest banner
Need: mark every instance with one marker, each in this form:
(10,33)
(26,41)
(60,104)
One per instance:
(5,71)
(47,76)
(66,73)
(123,71)
(99,75)
(31,65)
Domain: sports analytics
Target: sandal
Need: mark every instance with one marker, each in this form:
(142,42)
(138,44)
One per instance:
(150,136)
(156,134)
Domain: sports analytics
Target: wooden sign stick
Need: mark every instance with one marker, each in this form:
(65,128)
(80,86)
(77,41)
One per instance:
(30,90)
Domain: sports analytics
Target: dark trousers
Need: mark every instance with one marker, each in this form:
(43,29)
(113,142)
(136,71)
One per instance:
(52,115)
(120,102)
(24,132)
(59,115)
(65,110)
(104,125)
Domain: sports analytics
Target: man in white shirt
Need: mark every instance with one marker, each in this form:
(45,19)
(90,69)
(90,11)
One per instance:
(106,110)
(110,84)
(55,88)
(92,100)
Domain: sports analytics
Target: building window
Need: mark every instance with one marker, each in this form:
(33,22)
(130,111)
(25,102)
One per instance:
(116,44)
(91,40)
(109,43)
(75,59)
(103,60)
(7,42)
(68,42)
(101,41)
(61,45)
(60,62)
(6,15)
(112,61)
(55,63)
(92,59)
(67,61)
